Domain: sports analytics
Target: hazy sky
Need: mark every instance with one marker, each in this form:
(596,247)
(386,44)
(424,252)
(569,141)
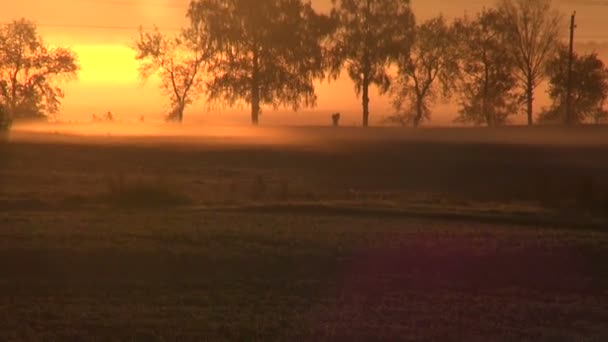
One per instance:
(101,31)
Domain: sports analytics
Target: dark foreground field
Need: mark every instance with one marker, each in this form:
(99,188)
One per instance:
(332,238)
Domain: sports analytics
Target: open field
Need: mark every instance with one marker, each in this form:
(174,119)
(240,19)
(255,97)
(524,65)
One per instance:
(305,234)
(182,275)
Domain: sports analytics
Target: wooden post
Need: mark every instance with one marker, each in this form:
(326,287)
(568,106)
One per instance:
(570,117)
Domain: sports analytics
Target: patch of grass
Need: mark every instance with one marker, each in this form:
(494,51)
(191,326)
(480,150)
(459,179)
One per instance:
(143,192)
(21,204)
(577,194)
(592,196)
(259,188)
(4,134)
(5,125)
(188,275)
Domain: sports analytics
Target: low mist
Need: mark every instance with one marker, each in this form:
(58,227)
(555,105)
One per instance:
(320,136)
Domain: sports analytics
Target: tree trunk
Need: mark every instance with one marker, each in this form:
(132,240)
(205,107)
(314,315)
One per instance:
(366,68)
(530,101)
(484,103)
(180,113)
(365,105)
(5,123)
(418,117)
(255,92)
(177,113)
(255,105)
(255,112)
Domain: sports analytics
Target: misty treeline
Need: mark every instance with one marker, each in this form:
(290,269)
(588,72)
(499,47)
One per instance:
(271,53)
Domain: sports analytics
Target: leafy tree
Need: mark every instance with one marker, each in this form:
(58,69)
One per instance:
(178,61)
(430,71)
(266,52)
(589,87)
(371,35)
(488,84)
(28,69)
(533,30)
(601,115)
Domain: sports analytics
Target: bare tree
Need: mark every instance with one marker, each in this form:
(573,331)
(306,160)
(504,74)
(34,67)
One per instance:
(430,71)
(28,69)
(533,29)
(178,61)
(371,35)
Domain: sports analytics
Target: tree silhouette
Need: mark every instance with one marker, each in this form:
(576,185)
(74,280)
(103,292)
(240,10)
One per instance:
(430,71)
(28,67)
(5,122)
(266,52)
(589,87)
(488,86)
(178,61)
(533,30)
(371,35)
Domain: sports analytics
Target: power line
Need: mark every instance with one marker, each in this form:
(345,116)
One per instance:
(103,27)
(126,3)
(100,27)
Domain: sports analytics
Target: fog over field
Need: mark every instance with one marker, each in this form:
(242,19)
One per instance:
(320,136)
(223,233)
(304,170)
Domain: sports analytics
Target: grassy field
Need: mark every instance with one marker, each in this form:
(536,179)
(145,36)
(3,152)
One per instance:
(305,234)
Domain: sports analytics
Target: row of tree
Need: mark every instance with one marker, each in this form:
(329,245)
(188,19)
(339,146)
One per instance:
(271,52)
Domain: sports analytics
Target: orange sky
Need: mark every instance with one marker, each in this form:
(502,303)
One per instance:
(100,31)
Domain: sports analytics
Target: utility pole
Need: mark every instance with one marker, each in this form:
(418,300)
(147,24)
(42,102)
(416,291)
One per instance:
(570,119)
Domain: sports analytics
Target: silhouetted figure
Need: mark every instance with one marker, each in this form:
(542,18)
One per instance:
(109,117)
(335,118)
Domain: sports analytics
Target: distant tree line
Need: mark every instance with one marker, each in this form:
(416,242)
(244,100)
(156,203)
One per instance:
(270,53)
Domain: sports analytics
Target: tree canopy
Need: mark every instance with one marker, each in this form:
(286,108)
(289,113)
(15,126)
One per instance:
(488,86)
(265,52)
(429,72)
(371,35)
(589,87)
(29,69)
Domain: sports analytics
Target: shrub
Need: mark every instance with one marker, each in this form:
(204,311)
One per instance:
(259,188)
(144,193)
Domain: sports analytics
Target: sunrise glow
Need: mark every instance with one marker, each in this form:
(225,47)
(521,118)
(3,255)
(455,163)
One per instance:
(102,33)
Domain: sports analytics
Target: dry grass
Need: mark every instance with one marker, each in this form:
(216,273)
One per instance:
(141,192)
(183,275)
(86,253)
(382,172)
